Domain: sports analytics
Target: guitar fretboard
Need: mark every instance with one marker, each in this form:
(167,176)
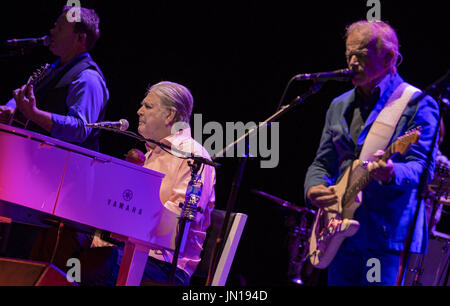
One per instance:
(363,179)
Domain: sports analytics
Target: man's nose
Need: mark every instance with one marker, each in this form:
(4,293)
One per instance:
(353,61)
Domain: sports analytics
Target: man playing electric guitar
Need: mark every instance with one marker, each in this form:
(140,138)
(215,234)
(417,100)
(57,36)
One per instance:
(389,201)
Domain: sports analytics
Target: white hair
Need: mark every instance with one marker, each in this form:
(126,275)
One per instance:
(174,96)
(386,38)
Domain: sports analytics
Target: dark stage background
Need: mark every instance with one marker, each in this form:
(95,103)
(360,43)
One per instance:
(236,57)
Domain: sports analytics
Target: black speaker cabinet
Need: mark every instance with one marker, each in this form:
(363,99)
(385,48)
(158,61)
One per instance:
(20,272)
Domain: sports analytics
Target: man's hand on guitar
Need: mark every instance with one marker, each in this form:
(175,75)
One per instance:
(322,196)
(5,113)
(380,170)
(25,100)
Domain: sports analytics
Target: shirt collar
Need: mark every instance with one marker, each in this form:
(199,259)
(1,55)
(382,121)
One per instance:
(382,86)
(377,92)
(176,138)
(179,136)
(56,64)
(385,83)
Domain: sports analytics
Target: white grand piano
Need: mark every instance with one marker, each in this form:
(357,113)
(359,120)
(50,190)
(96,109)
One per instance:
(40,175)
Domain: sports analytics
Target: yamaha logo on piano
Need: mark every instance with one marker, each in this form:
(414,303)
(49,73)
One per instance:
(124,207)
(127,195)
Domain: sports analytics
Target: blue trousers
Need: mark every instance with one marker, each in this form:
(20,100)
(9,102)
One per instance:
(100,267)
(354,266)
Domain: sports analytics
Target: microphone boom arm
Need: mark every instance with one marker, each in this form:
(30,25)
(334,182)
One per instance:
(164,147)
(315,88)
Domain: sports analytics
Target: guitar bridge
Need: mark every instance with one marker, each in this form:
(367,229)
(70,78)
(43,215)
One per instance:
(333,226)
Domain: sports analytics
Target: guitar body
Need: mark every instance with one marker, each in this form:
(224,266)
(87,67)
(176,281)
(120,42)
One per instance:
(335,223)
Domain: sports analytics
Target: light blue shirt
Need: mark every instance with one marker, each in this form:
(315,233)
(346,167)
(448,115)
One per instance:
(87,97)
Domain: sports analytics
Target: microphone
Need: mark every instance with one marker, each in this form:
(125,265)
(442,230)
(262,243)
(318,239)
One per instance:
(337,75)
(29,42)
(122,125)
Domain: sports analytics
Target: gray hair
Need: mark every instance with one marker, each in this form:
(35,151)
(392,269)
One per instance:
(386,38)
(174,96)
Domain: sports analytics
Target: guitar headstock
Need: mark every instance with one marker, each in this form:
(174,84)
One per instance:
(38,75)
(403,143)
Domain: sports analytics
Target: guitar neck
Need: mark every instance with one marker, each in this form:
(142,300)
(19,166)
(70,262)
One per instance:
(17,118)
(388,153)
(364,177)
(361,177)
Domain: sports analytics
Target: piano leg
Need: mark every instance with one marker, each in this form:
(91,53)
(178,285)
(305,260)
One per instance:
(133,264)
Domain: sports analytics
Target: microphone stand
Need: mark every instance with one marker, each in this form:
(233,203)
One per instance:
(188,213)
(240,171)
(420,193)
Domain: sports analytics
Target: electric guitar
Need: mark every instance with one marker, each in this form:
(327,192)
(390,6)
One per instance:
(17,118)
(334,223)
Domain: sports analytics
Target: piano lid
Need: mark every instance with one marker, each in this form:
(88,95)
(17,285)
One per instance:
(71,147)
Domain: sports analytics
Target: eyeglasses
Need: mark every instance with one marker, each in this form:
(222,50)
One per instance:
(361,55)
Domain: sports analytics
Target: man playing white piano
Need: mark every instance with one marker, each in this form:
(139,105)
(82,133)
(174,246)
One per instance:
(165,106)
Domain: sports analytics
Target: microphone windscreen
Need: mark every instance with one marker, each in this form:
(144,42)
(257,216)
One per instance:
(124,124)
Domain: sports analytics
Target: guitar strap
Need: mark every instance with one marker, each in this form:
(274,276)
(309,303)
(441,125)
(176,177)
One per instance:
(383,128)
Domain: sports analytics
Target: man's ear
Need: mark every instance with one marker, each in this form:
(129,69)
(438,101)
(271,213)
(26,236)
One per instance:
(170,118)
(389,59)
(82,39)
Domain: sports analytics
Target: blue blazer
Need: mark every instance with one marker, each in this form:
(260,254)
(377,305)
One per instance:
(387,211)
